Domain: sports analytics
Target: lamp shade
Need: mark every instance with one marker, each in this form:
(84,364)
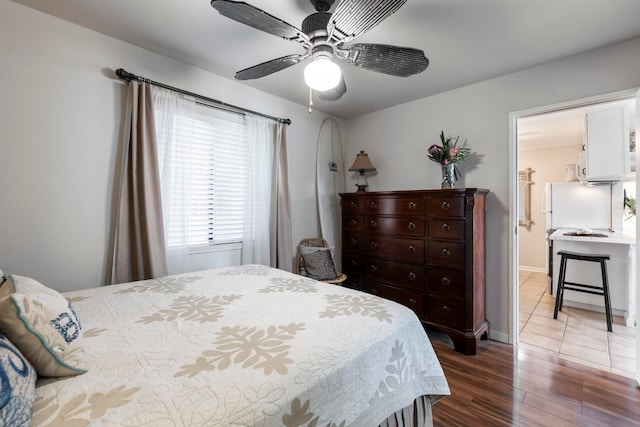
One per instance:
(322,73)
(362,163)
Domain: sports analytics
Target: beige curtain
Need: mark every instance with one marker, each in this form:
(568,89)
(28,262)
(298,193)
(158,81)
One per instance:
(280,226)
(139,249)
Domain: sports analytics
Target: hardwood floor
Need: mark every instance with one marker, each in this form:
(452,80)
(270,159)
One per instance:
(504,387)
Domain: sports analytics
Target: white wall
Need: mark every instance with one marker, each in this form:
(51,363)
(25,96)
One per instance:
(60,118)
(397,139)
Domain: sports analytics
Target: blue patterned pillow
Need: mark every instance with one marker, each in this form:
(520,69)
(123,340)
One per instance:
(17,386)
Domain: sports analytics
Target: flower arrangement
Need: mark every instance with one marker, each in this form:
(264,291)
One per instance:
(448,153)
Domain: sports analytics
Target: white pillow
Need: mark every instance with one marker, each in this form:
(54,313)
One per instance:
(43,325)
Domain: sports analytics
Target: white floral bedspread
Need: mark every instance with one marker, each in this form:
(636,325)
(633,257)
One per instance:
(240,346)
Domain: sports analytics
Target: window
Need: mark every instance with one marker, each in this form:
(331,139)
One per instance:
(203,176)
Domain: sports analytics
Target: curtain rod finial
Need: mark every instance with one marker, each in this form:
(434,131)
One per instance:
(123,75)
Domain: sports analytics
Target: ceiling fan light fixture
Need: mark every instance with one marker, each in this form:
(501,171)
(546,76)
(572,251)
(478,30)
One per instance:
(322,73)
(323,36)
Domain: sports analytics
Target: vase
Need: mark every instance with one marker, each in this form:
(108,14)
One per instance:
(449,176)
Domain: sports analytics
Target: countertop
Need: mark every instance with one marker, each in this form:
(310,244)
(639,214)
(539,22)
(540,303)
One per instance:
(620,237)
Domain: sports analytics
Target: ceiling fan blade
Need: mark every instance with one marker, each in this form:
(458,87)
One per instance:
(392,60)
(257,18)
(355,17)
(270,67)
(335,93)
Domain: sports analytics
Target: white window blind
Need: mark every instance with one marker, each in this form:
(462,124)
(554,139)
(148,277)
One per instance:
(209,164)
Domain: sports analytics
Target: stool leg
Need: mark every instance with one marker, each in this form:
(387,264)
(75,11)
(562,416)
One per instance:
(607,299)
(560,290)
(564,278)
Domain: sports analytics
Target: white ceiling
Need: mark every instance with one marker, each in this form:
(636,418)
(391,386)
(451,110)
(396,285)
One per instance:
(564,127)
(551,129)
(466,41)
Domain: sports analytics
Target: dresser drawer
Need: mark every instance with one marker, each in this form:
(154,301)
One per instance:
(353,264)
(446,254)
(352,206)
(445,312)
(353,223)
(412,299)
(395,273)
(396,205)
(354,282)
(446,282)
(410,250)
(407,226)
(446,206)
(353,242)
(445,228)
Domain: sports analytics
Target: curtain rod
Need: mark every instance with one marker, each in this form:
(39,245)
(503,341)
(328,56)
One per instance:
(125,75)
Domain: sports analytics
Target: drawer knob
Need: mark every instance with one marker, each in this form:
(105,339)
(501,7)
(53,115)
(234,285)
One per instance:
(374,245)
(374,224)
(373,205)
(411,226)
(354,204)
(354,221)
(446,252)
(446,227)
(446,205)
(374,268)
(413,302)
(374,291)
(412,248)
(353,241)
(446,281)
(446,308)
(354,263)
(412,276)
(412,205)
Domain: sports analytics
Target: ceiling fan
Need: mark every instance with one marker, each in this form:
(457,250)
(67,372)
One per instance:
(323,36)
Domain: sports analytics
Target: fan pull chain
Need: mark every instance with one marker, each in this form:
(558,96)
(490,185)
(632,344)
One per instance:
(310,100)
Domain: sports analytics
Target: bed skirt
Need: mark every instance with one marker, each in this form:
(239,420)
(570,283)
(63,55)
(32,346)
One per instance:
(418,414)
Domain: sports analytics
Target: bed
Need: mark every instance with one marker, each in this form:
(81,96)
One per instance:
(240,346)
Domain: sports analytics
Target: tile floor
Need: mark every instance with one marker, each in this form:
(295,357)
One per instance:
(577,335)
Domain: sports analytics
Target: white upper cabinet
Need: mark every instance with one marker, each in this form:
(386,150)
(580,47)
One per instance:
(606,144)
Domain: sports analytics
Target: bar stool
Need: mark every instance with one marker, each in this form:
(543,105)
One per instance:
(580,287)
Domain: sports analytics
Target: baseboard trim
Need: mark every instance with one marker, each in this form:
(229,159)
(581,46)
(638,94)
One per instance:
(499,336)
(532,269)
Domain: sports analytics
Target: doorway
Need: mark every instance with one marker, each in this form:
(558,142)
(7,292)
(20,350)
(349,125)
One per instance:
(547,141)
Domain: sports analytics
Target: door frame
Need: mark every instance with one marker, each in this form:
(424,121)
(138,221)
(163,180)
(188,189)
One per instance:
(513,197)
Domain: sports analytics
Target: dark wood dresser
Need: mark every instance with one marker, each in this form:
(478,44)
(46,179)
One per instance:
(424,249)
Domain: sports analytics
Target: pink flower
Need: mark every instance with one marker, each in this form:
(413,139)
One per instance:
(448,153)
(435,149)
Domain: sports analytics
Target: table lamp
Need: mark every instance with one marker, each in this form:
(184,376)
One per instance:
(362,164)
